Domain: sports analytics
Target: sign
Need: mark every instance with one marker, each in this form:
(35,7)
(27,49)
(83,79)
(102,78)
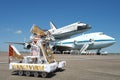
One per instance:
(27,67)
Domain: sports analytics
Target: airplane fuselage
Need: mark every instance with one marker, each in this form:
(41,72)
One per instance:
(95,40)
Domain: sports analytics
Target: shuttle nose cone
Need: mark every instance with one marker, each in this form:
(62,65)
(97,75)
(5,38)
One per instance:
(88,26)
(83,27)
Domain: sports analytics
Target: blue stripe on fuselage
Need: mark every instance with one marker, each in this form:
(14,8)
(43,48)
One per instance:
(87,41)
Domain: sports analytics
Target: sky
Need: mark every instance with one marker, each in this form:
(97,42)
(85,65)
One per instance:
(17,17)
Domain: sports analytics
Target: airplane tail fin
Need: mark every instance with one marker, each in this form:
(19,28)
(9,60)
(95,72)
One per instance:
(14,53)
(52,25)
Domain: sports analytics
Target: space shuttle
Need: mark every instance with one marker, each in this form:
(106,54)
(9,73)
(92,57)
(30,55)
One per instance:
(69,30)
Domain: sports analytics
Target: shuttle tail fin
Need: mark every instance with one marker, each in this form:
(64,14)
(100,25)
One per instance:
(52,25)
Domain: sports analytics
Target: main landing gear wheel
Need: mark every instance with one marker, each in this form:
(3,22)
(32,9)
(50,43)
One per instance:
(27,73)
(44,74)
(36,74)
(20,73)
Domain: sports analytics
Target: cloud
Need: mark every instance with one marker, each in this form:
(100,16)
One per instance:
(18,32)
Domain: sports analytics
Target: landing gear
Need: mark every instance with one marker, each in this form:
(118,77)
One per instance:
(98,52)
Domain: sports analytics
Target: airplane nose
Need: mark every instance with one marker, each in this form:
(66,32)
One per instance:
(112,41)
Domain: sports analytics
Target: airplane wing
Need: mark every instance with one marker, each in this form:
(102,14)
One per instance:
(27,45)
(21,43)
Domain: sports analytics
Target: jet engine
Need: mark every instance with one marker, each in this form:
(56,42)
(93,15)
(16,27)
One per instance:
(27,46)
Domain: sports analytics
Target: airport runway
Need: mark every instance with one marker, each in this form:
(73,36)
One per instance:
(79,67)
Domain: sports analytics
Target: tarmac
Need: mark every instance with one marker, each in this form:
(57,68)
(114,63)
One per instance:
(79,67)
